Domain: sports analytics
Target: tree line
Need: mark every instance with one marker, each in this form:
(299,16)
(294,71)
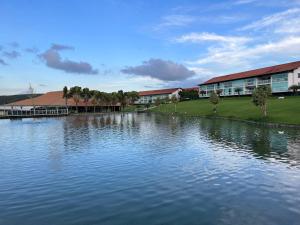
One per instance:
(99,98)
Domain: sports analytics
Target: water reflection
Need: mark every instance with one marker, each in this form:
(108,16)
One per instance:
(147,169)
(263,142)
(260,141)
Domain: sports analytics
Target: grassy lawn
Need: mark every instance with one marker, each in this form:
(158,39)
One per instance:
(130,108)
(279,110)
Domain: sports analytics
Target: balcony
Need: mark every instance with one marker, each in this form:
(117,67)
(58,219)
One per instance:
(252,83)
(264,82)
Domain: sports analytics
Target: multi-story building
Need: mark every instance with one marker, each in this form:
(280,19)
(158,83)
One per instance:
(279,78)
(150,96)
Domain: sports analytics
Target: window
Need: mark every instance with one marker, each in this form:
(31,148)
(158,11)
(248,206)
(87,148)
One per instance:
(228,84)
(298,75)
(280,77)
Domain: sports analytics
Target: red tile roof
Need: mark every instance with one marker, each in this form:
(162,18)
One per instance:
(191,89)
(54,98)
(257,72)
(158,92)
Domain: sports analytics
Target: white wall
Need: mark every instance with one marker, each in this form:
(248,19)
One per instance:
(293,77)
(147,98)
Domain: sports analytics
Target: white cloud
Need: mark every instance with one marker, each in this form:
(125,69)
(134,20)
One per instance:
(242,2)
(273,39)
(245,56)
(202,37)
(176,20)
(278,21)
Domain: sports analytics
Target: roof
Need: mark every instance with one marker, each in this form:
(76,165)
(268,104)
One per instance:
(191,89)
(54,98)
(257,72)
(159,92)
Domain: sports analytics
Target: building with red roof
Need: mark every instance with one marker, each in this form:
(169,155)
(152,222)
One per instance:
(150,96)
(279,78)
(55,100)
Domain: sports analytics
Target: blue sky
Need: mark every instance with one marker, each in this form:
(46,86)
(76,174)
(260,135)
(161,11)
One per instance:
(140,45)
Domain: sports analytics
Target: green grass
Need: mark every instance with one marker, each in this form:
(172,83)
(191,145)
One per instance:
(286,111)
(130,108)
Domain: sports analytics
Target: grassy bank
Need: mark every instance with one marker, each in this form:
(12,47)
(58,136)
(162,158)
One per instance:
(286,111)
(130,108)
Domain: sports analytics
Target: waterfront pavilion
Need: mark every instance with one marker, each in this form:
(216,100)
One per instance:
(52,104)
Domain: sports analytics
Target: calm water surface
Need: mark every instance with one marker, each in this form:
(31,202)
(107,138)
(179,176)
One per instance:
(147,169)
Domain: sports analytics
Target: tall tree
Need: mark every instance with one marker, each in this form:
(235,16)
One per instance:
(100,98)
(75,93)
(214,99)
(132,97)
(107,99)
(66,95)
(114,100)
(86,95)
(122,98)
(260,97)
(94,97)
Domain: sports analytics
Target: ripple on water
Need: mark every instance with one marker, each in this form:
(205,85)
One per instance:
(147,169)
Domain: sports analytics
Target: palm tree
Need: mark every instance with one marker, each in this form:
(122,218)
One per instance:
(122,98)
(107,98)
(75,92)
(94,101)
(86,95)
(66,95)
(294,88)
(132,96)
(100,98)
(114,100)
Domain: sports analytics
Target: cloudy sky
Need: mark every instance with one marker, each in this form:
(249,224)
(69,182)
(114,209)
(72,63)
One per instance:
(140,45)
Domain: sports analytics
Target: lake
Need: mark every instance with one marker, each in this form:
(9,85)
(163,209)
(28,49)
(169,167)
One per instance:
(147,169)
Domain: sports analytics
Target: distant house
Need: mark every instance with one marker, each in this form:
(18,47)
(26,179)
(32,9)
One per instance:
(151,96)
(279,78)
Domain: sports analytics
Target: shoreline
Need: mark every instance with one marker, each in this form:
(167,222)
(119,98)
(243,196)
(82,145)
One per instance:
(265,124)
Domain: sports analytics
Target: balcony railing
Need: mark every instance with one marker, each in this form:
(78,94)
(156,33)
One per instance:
(263,82)
(250,83)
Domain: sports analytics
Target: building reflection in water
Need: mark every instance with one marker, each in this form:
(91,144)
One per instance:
(264,142)
(82,132)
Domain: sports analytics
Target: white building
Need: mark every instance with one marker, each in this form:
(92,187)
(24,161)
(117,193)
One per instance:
(151,96)
(279,78)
